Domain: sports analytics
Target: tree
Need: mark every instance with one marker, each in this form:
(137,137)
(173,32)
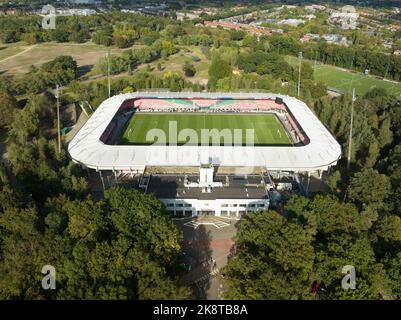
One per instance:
(95,255)
(103,36)
(31,38)
(393,267)
(385,134)
(168,47)
(274,259)
(116,64)
(9,36)
(372,155)
(237,35)
(121,42)
(60,35)
(189,69)
(8,105)
(306,71)
(61,70)
(388,228)
(80,36)
(369,188)
(173,31)
(327,214)
(343,249)
(134,215)
(219,69)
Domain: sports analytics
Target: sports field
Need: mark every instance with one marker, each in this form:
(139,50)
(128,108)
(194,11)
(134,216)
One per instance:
(344,80)
(267,129)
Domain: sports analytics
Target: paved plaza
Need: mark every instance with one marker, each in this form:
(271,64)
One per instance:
(208,241)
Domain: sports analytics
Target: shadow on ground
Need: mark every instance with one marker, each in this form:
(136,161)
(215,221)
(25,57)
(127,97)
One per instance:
(197,247)
(83,70)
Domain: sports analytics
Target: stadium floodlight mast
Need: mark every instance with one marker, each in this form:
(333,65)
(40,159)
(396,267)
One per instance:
(108,72)
(58,117)
(350,129)
(388,67)
(299,73)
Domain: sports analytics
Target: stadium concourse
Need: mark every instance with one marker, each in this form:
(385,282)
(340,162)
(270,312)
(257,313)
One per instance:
(218,179)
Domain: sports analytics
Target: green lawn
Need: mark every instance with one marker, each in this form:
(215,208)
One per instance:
(345,80)
(267,128)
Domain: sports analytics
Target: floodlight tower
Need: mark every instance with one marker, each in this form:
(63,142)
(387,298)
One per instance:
(350,129)
(299,73)
(108,72)
(58,117)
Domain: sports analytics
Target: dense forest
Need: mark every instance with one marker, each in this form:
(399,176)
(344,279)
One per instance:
(122,247)
(358,223)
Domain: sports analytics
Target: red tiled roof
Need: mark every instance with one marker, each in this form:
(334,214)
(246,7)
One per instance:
(238,26)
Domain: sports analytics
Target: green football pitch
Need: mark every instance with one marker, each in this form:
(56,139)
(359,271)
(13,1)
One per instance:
(267,129)
(345,80)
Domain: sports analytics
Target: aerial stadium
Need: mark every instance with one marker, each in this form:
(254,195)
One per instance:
(189,148)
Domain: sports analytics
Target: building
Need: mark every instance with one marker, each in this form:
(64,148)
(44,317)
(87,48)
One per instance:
(87,2)
(286,6)
(201,179)
(335,39)
(181,16)
(346,19)
(76,12)
(291,22)
(388,43)
(252,29)
(315,148)
(309,17)
(207,194)
(394,27)
(310,36)
(315,7)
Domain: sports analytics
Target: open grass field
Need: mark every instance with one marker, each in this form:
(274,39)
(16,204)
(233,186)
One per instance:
(16,59)
(267,129)
(9,50)
(344,80)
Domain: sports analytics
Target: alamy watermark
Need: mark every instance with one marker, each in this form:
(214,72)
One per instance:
(349,280)
(49,280)
(191,147)
(49,19)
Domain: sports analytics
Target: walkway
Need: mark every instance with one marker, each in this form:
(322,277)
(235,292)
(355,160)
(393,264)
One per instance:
(207,221)
(19,53)
(209,242)
(80,123)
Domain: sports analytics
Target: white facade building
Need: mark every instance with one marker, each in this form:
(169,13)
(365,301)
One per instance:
(231,208)
(233,196)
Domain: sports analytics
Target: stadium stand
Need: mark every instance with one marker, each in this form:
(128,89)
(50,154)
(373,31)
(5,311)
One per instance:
(167,105)
(317,149)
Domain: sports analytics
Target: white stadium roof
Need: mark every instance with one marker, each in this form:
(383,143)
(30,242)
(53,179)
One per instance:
(88,150)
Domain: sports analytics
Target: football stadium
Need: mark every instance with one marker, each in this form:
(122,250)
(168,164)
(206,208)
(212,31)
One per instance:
(189,148)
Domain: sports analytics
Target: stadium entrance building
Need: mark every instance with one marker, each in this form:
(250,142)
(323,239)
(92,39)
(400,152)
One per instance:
(207,194)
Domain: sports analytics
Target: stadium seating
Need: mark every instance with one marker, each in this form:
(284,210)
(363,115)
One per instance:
(212,105)
(106,134)
(294,124)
